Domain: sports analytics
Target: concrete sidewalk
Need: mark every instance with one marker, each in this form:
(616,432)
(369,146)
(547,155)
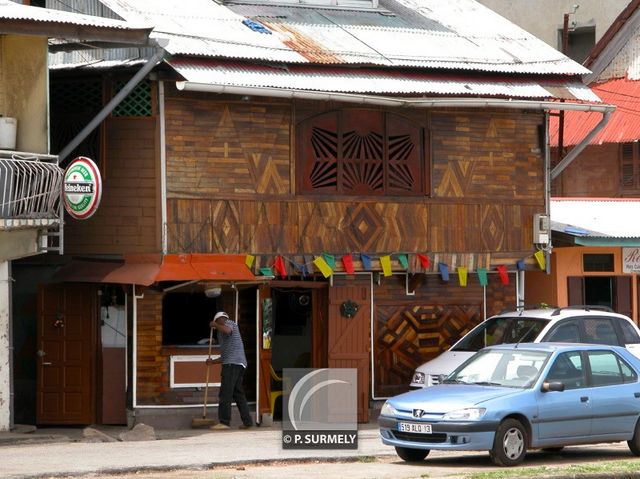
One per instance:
(56,452)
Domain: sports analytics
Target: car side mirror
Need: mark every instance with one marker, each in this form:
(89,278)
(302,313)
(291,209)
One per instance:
(552,386)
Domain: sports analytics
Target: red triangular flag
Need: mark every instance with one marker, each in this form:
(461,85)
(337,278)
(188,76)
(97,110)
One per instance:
(424,261)
(280,267)
(347,260)
(502,271)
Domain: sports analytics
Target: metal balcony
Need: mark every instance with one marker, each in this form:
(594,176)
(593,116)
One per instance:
(31,195)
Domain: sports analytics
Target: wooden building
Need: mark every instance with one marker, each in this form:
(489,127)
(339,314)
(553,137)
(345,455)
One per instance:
(350,206)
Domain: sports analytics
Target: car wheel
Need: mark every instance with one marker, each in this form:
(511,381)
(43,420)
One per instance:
(553,450)
(412,455)
(510,443)
(634,443)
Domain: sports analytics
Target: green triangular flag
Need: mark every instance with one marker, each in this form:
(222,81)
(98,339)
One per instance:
(404,261)
(331,261)
(266,271)
(482,276)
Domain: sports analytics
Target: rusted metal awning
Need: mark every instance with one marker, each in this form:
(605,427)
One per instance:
(146,269)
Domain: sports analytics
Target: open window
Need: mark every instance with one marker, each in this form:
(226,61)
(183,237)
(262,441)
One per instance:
(186,318)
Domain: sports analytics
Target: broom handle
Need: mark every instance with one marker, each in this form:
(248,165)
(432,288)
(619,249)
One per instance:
(206,381)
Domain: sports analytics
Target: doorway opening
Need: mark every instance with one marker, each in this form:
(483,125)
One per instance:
(292,338)
(598,291)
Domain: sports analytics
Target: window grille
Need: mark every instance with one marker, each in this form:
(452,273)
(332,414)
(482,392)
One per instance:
(137,103)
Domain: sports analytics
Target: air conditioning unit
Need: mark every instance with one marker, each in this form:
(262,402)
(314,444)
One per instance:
(541,229)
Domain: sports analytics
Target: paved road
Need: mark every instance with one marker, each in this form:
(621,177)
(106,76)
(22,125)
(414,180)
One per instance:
(257,454)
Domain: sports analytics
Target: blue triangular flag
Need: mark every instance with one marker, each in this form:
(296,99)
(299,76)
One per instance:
(366,261)
(520,264)
(444,271)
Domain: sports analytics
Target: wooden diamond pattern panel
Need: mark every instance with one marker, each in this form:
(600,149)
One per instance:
(408,335)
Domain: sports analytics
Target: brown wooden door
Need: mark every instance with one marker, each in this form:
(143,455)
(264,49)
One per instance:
(349,339)
(66,350)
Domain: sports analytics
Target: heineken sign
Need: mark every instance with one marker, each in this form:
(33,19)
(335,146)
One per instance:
(82,188)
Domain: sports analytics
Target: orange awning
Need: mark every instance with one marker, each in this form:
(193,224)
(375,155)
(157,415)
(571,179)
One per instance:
(146,269)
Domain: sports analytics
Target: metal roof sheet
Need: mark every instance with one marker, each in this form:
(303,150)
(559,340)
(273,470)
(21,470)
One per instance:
(596,217)
(452,34)
(623,125)
(370,80)
(15,11)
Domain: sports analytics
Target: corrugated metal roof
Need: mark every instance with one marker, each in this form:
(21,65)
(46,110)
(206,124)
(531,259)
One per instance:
(596,217)
(370,80)
(14,11)
(452,34)
(623,126)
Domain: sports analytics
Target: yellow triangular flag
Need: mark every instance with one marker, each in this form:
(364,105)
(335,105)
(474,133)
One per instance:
(385,263)
(539,255)
(322,265)
(462,276)
(248,260)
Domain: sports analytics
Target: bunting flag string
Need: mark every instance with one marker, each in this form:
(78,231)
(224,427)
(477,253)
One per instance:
(326,264)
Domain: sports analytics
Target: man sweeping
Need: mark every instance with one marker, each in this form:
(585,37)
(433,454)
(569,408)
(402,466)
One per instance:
(234,364)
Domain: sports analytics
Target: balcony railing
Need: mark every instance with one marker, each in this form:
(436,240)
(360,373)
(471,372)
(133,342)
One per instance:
(30,191)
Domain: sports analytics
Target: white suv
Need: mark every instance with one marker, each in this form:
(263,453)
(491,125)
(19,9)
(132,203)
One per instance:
(573,324)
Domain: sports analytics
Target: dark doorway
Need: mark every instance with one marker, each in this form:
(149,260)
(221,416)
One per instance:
(598,291)
(292,318)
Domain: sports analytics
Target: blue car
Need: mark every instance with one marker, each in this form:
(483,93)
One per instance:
(509,398)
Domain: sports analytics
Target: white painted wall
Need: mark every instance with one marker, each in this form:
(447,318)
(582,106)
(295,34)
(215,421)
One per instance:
(543,18)
(5,352)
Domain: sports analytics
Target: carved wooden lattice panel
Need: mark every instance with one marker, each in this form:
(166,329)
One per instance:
(408,335)
(361,152)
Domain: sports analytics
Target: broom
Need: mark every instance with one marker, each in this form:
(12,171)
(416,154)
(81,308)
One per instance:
(203,421)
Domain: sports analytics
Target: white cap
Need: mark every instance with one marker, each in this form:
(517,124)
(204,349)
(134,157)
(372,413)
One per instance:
(221,314)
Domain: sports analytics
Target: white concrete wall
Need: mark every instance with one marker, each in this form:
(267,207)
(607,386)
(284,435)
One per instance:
(543,18)
(5,352)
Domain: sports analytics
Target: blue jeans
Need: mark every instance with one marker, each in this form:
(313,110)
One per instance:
(231,389)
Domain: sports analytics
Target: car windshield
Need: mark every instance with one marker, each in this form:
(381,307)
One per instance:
(508,368)
(501,330)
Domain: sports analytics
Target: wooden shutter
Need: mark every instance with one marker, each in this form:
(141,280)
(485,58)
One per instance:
(575,290)
(629,167)
(318,153)
(622,291)
(405,156)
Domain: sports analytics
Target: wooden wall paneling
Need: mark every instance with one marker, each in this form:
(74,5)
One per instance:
(409,330)
(126,220)
(218,148)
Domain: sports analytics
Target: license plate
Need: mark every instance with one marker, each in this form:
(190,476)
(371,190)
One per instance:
(415,428)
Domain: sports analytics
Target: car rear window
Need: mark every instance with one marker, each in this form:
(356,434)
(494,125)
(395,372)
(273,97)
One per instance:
(502,330)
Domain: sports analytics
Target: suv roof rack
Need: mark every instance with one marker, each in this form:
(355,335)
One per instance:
(523,307)
(586,307)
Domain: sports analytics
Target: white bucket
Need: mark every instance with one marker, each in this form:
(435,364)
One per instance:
(8,130)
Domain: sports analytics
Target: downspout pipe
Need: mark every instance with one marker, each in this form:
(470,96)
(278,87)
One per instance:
(576,150)
(109,107)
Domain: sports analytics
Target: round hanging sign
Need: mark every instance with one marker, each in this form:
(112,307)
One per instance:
(82,188)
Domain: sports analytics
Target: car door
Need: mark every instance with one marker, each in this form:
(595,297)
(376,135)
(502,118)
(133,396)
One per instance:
(629,335)
(565,415)
(567,331)
(614,395)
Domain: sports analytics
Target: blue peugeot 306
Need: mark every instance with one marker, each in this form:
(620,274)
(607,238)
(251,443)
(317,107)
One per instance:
(510,398)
